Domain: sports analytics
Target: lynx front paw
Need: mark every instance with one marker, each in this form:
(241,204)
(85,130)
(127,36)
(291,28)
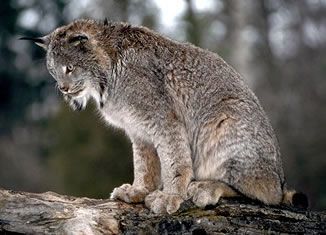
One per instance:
(129,193)
(162,203)
(203,194)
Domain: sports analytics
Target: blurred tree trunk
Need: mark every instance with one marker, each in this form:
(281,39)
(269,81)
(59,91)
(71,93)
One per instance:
(269,79)
(51,213)
(240,35)
(114,10)
(193,29)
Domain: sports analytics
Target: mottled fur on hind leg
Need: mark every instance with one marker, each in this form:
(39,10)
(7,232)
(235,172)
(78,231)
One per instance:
(205,193)
(262,185)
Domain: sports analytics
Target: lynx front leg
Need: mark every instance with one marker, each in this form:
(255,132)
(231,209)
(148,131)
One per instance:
(176,171)
(146,174)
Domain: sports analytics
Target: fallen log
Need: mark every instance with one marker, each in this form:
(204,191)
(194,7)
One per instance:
(51,213)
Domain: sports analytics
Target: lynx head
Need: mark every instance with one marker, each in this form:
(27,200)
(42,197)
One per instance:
(78,61)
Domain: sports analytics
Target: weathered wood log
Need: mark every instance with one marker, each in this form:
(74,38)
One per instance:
(51,213)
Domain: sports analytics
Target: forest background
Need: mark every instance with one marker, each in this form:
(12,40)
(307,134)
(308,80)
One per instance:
(279,46)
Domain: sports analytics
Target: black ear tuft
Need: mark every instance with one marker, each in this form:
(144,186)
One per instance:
(41,41)
(106,22)
(300,200)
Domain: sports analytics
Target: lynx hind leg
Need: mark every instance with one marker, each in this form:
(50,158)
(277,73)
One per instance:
(205,193)
(265,186)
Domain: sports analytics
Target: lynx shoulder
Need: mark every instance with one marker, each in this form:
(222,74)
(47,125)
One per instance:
(197,130)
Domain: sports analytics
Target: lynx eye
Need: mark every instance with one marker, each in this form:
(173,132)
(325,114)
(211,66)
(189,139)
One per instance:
(78,39)
(69,69)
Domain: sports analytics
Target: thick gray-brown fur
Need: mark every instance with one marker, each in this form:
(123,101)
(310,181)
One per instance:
(190,116)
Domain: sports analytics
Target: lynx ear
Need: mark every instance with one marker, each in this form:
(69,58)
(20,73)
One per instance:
(42,41)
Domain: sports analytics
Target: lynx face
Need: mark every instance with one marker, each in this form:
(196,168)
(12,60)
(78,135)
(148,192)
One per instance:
(74,61)
(73,79)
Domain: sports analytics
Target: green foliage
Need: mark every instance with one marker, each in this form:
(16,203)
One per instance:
(86,157)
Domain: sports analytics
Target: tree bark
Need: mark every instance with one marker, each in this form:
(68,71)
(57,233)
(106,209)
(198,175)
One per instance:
(51,213)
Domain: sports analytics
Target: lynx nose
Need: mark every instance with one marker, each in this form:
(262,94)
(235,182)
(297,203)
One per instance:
(64,87)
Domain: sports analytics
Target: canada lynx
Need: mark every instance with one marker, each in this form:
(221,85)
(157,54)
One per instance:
(197,130)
